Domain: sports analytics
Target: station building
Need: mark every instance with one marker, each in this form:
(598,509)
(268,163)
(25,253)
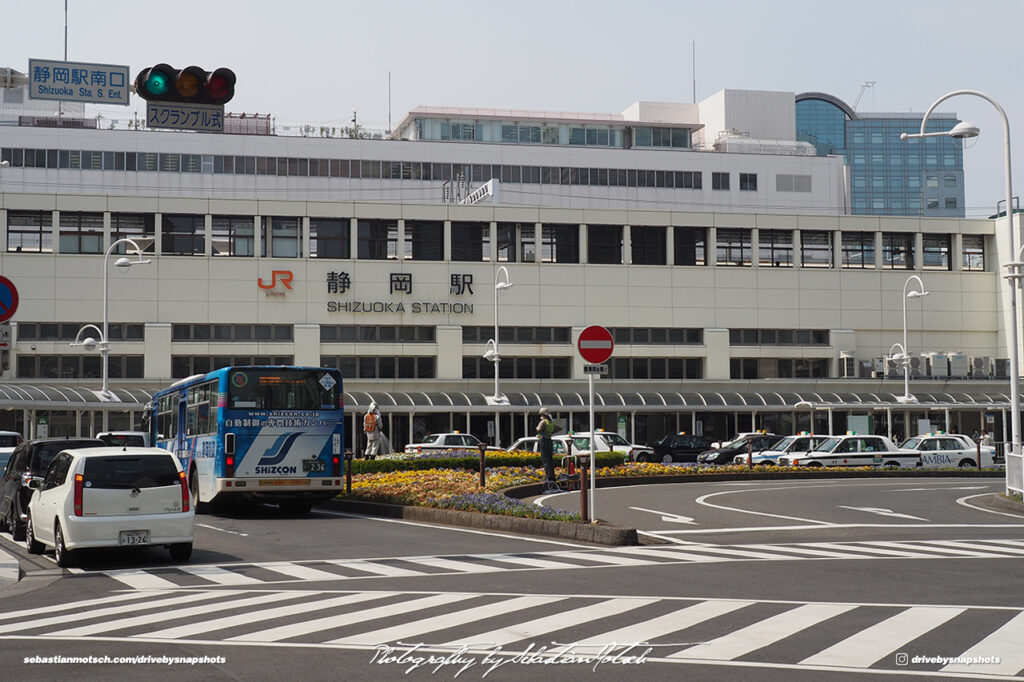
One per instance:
(741,291)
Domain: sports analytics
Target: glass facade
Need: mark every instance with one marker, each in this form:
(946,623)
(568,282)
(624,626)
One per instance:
(888,176)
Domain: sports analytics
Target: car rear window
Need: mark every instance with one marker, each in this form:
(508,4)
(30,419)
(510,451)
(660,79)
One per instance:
(45,452)
(130,471)
(122,440)
(9,441)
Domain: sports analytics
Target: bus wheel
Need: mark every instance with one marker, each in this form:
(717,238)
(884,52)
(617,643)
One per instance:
(295,507)
(193,489)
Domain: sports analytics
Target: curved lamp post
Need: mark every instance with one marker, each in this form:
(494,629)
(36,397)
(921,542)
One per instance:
(493,354)
(966,130)
(907,398)
(103,343)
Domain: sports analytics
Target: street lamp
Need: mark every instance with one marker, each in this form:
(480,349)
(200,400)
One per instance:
(907,398)
(103,343)
(492,354)
(965,130)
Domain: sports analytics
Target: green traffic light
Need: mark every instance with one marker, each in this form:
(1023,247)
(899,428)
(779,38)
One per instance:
(158,82)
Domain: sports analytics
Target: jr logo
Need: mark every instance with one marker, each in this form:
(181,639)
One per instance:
(285,276)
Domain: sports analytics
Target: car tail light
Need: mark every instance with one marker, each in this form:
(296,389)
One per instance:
(185,497)
(79,487)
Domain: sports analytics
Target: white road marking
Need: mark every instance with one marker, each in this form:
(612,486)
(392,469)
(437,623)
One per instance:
(668,517)
(883,512)
(703,501)
(962,487)
(1006,644)
(963,502)
(222,530)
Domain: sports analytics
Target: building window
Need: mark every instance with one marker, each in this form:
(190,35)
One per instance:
(424,240)
(245,333)
(378,239)
(719,180)
(933,202)
(778,337)
(771,368)
(936,252)
(186,365)
(523,335)
(950,181)
(661,137)
(280,237)
(79,366)
(81,232)
(471,242)
(329,238)
(657,368)
(950,203)
(858,249)
(364,367)
(30,231)
(815,249)
(139,227)
(799,183)
(604,244)
(657,336)
(233,235)
(647,245)
(507,238)
(733,247)
(974,253)
(775,248)
(689,244)
(561,244)
(182,234)
(748,182)
(897,251)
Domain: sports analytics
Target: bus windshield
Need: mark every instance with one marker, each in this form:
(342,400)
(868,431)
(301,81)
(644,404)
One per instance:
(290,389)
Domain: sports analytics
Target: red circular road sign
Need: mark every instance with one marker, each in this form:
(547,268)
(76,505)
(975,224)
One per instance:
(595,344)
(8,299)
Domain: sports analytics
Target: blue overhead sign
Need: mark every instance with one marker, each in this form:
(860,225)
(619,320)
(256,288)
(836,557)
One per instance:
(78,82)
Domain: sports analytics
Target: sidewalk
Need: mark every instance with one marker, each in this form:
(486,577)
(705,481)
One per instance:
(9,572)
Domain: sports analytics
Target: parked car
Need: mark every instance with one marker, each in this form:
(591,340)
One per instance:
(752,442)
(679,447)
(854,450)
(951,450)
(110,497)
(8,441)
(122,438)
(790,445)
(532,444)
(445,442)
(28,461)
(610,441)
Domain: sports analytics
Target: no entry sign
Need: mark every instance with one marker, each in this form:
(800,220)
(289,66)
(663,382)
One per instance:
(595,344)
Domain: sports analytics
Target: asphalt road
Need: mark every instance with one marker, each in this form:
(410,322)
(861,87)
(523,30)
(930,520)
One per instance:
(803,580)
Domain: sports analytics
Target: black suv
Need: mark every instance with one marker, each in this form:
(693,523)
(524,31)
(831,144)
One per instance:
(726,453)
(30,460)
(678,447)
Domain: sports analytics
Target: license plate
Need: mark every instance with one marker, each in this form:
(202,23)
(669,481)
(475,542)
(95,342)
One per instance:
(314,466)
(133,537)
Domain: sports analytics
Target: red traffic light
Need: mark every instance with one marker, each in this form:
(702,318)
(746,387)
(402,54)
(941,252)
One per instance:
(191,85)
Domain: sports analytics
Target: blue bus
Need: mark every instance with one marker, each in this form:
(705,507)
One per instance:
(265,433)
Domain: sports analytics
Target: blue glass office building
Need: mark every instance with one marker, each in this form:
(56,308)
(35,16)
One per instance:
(888,176)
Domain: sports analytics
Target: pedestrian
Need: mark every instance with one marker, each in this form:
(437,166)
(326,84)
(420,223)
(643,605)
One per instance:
(545,429)
(986,438)
(976,436)
(372,425)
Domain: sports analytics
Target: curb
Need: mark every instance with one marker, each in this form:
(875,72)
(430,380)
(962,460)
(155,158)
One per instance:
(9,570)
(598,534)
(1002,502)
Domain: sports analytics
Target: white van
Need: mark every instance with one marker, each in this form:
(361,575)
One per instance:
(132,439)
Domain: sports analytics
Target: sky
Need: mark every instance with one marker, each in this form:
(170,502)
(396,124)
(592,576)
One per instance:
(313,61)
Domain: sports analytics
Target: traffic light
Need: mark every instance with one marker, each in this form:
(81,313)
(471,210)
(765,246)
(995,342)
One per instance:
(191,85)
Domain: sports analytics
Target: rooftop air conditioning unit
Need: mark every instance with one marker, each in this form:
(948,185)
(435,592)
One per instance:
(893,367)
(1002,370)
(878,368)
(848,366)
(867,369)
(918,367)
(957,365)
(981,366)
(938,365)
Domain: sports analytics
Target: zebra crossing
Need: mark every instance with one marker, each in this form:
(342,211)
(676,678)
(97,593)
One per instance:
(830,636)
(275,572)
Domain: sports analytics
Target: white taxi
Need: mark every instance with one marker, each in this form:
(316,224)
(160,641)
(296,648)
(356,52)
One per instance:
(853,450)
(792,446)
(951,450)
(110,497)
(610,441)
(452,443)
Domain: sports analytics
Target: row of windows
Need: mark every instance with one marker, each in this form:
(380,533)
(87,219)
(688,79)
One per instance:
(79,366)
(68,331)
(231,332)
(778,337)
(188,365)
(657,335)
(878,181)
(656,368)
(362,367)
(475,367)
(517,334)
(344,333)
(184,234)
(771,368)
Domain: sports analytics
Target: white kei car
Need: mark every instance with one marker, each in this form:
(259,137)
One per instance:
(110,497)
(951,450)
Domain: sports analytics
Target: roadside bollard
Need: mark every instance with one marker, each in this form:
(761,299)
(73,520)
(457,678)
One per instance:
(483,473)
(979,454)
(584,460)
(348,471)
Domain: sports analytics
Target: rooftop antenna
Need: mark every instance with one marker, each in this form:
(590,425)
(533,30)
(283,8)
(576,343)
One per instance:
(865,86)
(693,67)
(60,103)
(389,102)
